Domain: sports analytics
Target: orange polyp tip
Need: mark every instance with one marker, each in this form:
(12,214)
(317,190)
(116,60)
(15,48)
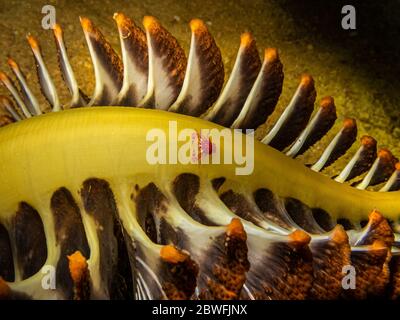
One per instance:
(86,24)
(339,235)
(236,229)
(172,255)
(3,77)
(12,63)
(306,80)
(57,31)
(197,25)
(150,22)
(32,42)
(385,154)
(375,217)
(271,54)
(120,18)
(300,237)
(378,245)
(327,102)
(77,266)
(397,166)
(5,290)
(246,39)
(349,122)
(367,140)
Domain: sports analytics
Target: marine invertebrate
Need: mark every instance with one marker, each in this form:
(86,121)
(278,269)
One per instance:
(78,193)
